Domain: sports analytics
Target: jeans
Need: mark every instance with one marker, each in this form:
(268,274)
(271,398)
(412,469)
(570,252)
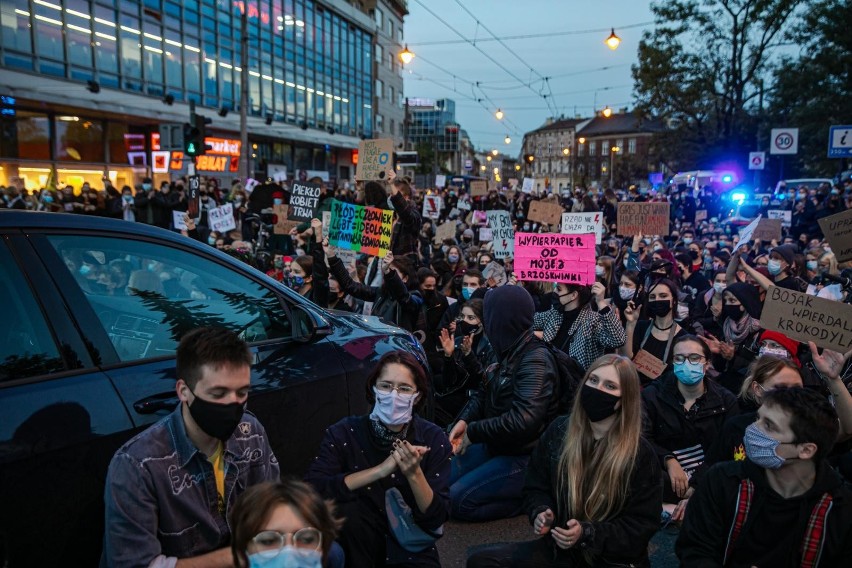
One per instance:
(486,487)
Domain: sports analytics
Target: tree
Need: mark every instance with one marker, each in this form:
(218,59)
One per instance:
(700,69)
(812,90)
(425,157)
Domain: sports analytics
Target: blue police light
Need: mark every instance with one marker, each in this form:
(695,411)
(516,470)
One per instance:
(738,197)
(727,178)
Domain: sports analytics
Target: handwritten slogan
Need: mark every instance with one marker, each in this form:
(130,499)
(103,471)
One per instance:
(552,257)
(304,200)
(375,157)
(359,228)
(648,218)
(502,233)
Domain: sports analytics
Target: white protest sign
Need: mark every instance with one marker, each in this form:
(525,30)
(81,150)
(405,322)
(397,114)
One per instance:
(529,185)
(785,216)
(485,234)
(432,205)
(221,219)
(278,172)
(440,180)
(326,221)
(251,184)
(463,204)
(502,233)
(745,234)
(177,220)
(583,224)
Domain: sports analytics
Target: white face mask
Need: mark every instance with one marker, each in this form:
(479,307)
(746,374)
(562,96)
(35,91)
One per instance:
(682,312)
(626,293)
(719,287)
(392,408)
(599,270)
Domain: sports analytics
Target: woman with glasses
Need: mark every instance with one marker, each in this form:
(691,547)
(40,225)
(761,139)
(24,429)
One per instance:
(592,489)
(362,457)
(684,414)
(284,524)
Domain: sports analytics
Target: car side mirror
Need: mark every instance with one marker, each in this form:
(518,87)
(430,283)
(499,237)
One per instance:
(304,327)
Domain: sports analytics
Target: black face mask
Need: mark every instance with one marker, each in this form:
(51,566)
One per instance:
(464,328)
(659,308)
(693,254)
(429,295)
(482,267)
(731,312)
(332,298)
(216,420)
(555,300)
(599,405)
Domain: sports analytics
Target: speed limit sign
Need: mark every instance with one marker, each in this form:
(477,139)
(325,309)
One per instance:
(784,141)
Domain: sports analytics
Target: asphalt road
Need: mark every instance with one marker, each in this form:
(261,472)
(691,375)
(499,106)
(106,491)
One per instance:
(460,538)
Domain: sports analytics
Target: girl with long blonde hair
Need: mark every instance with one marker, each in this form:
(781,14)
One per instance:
(593,489)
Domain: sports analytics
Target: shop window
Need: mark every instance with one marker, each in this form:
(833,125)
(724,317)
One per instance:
(25,135)
(79,139)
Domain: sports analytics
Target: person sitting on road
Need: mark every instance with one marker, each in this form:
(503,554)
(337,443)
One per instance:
(593,486)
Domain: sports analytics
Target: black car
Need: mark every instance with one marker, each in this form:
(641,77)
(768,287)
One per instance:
(91,311)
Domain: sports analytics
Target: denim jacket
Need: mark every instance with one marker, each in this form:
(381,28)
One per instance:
(161,498)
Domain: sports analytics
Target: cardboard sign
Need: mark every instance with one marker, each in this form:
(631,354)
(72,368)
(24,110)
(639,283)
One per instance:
(304,198)
(375,158)
(432,206)
(529,185)
(583,223)
(440,180)
(838,232)
(648,365)
(767,230)
(445,231)
(478,187)
(649,218)
(503,235)
(485,234)
(785,216)
(283,225)
(700,215)
(807,318)
(177,220)
(553,257)
(221,219)
(362,229)
(746,234)
(545,212)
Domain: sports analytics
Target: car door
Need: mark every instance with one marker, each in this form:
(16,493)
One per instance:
(60,422)
(138,296)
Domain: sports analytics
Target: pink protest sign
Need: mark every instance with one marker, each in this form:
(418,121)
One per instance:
(553,257)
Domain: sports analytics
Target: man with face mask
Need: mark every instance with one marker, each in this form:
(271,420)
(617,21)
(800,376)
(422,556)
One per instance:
(169,490)
(784,505)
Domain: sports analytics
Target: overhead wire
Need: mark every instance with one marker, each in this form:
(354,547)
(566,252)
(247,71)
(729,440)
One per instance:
(531,36)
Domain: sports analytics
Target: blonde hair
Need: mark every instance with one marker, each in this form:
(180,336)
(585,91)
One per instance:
(593,478)
(761,370)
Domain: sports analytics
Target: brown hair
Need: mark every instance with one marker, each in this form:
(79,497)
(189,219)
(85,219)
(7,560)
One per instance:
(254,507)
(761,370)
(307,264)
(403,185)
(407,360)
(214,346)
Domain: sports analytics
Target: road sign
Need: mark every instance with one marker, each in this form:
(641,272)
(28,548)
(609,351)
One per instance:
(756,160)
(840,141)
(784,141)
(468,164)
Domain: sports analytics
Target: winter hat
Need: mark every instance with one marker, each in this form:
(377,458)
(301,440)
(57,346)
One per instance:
(508,314)
(791,345)
(748,297)
(787,252)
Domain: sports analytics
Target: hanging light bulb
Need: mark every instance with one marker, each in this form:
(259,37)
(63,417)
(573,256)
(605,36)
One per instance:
(499,114)
(494,152)
(406,55)
(606,112)
(613,41)
(507,140)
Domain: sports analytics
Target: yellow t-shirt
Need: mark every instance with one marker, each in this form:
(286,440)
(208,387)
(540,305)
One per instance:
(217,460)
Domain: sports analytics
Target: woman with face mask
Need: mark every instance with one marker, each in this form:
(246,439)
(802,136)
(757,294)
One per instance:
(592,489)
(685,413)
(362,457)
(466,354)
(650,339)
(284,524)
(458,266)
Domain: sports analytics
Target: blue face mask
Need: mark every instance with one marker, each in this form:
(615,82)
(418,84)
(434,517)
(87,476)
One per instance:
(211,241)
(467,293)
(761,448)
(689,373)
(812,265)
(774,267)
(146,186)
(48,199)
(278,201)
(297,281)
(287,557)
(85,269)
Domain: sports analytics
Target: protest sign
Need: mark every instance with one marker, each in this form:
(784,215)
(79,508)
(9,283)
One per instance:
(785,216)
(648,218)
(529,184)
(177,220)
(478,187)
(362,229)
(283,225)
(463,204)
(554,257)
(444,231)
(503,235)
(485,234)
(700,215)
(838,232)
(440,180)
(375,158)
(767,230)
(545,212)
(494,274)
(746,234)
(278,172)
(432,207)
(583,223)
(326,221)
(802,317)
(251,184)
(221,219)
(480,217)
(304,198)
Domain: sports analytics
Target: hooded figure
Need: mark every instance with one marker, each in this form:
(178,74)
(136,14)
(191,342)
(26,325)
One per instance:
(509,312)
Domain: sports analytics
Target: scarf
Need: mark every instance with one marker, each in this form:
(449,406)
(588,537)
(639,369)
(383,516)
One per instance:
(738,331)
(385,437)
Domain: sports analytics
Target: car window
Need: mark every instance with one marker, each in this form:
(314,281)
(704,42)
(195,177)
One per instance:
(27,347)
(147,296)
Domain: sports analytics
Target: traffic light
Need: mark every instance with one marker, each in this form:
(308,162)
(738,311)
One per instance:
(194,133)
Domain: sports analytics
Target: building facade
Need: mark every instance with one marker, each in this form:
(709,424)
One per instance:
(388,97)
(433,130)
(87,83)
(552,148)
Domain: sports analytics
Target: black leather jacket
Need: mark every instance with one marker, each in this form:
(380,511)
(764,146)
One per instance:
(519,400)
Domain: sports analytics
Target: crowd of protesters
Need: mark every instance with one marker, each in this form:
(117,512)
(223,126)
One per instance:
(653,397)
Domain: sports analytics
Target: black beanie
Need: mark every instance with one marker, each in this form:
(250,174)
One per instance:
(509,312)
(748,296)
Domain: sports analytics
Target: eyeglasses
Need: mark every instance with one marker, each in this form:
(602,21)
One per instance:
(387,388)
(692,358)
(269,542)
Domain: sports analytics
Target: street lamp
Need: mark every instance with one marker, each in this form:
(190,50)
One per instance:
(613,151)
(517,167)
(406,55)
(494,152)
(507,140)
(499,114)
(581,140)
(482,168)
(566,151)
(488,158)
(613,41)
(606,112)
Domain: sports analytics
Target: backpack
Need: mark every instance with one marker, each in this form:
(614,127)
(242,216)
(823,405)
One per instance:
(570,377)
